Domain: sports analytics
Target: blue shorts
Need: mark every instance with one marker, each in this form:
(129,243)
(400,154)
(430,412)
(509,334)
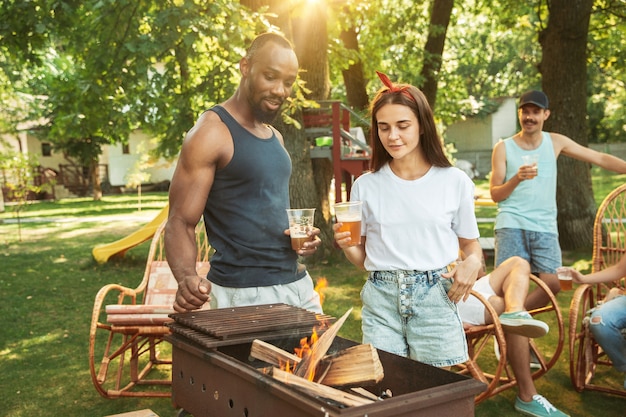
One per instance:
(540,249)
(408,313)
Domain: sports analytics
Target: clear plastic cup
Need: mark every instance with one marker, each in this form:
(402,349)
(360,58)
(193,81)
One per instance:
(349,215)
(300,223)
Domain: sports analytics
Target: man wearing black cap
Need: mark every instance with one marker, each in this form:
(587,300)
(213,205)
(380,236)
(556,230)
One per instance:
(523,183)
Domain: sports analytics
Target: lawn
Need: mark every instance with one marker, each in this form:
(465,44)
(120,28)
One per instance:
(48,281)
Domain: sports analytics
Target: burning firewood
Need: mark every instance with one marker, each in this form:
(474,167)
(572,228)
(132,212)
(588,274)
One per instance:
(358,365)
(273,355)
(307,366)
(319,390)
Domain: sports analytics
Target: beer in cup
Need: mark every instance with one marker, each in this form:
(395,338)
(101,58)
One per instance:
(565,279)
(349,215)
(300,222)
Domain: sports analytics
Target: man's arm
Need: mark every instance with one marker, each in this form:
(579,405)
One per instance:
(501,190)
(202,151)
(568,147)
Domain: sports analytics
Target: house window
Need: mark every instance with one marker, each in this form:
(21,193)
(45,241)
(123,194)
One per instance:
(46,149)
(125,149)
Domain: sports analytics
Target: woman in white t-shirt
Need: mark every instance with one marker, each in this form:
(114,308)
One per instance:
(418,212)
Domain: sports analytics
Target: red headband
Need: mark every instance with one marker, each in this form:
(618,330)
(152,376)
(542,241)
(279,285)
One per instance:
(393,88)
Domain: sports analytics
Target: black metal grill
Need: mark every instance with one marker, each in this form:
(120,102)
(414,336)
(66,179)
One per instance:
(213,376)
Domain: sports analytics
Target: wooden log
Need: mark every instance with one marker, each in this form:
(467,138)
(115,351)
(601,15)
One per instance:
(319,390)
(273,355)
(365,393)
(306,367)
(358,365)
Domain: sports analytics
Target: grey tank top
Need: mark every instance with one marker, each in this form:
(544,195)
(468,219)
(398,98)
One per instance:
(245,213)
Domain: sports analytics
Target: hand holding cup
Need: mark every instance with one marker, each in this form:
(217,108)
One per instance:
(529,169)
(565,278)
(349,215)
(300,226)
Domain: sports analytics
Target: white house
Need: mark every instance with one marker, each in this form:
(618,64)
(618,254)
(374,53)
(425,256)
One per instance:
(475,137)
(124,160)
(121,161)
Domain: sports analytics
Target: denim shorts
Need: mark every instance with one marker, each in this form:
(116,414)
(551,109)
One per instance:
(541,250)
(300,293)
(408,313)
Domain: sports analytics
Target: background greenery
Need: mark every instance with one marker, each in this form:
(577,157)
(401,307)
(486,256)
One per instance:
(156,65)
(49,280)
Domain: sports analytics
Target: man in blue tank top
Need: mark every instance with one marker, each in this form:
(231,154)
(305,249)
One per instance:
(525,190)
(234,170)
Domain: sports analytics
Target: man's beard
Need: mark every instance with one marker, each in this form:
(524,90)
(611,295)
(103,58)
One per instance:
(264,116)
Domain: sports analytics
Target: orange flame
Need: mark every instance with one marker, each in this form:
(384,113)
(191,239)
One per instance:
(321,285)
(306,344)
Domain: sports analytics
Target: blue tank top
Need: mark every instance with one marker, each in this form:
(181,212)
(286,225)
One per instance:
(532,205)
(245,213)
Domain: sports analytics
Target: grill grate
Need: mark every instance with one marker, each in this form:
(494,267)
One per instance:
(213,328)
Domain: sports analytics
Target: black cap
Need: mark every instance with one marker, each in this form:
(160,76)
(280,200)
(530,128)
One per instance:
(538,98)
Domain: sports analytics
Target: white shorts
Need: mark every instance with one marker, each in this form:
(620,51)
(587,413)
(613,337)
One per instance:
(300,293)
(472,311)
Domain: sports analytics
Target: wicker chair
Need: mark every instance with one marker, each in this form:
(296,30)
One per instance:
(496,373)
(126,358)
(590,367)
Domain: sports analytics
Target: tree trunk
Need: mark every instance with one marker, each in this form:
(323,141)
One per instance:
(311,40)
(356,95)
(439,21)
(353,78)
(95,180)
(564,80)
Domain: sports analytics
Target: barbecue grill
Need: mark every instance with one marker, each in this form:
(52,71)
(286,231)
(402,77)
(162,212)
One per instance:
(214,376)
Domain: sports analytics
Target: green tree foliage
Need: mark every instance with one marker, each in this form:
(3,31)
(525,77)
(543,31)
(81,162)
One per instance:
(607,72)
(101,69)
(93,71)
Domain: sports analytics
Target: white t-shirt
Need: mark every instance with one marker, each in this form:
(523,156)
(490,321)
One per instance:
(415,225)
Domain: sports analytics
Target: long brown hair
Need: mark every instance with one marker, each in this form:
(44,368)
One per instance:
(431,143)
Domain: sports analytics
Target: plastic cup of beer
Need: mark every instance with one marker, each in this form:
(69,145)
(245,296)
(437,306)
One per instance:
(300,222)
(531,160)
(349,215)
(565,279)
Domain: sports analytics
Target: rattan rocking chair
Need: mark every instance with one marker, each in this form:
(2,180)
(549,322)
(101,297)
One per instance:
(126,355)
(590,367)
(483,364)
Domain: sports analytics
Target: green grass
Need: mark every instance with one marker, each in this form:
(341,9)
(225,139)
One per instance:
(604,182)
(109,205)
(48,282)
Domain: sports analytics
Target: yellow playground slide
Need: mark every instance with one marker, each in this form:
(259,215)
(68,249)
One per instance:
(103,252)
